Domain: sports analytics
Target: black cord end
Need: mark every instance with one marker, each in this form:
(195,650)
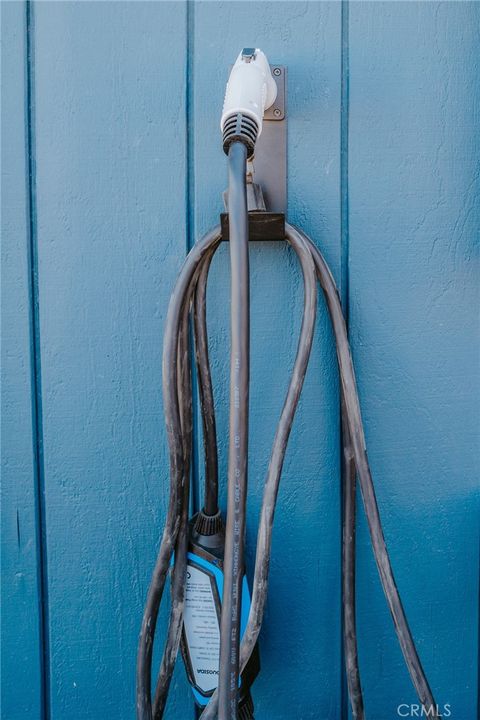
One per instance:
(208,525)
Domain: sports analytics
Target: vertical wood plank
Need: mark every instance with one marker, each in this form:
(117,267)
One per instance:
(300,642)
(414,218)
(111,169)
(21,638)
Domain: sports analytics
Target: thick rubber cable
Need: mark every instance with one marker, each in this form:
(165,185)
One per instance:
(175,624)
(205,391)
(350,647)
(178,574)
(353,416)
(233,563)
(357,437)
(355,428)
(262,559)
(173,519)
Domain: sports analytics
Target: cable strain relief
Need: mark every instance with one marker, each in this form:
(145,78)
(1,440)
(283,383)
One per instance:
(246,708)
(240,128)
(208,524)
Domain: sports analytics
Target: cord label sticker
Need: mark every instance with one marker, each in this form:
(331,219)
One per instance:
(201,629)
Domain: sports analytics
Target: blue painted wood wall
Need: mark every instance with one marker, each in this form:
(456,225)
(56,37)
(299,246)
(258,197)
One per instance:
(111,168)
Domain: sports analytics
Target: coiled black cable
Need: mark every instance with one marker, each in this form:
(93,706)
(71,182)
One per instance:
(356,438)
(179,302)
(352,670)
(205,391)
(354,447)
(178,575)
(197,289)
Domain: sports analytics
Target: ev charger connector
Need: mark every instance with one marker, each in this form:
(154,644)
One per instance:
(251,89)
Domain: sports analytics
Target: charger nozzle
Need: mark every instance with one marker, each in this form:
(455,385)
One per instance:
(251,89)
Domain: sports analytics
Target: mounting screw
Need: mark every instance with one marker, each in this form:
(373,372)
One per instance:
(277,71)
(277,112)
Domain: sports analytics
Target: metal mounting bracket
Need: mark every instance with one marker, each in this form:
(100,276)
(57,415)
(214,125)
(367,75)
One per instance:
(268,167)
(262,224)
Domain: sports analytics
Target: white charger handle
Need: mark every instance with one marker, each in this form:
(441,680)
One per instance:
(251,88)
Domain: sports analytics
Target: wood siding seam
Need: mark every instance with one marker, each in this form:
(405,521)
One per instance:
(36,366)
